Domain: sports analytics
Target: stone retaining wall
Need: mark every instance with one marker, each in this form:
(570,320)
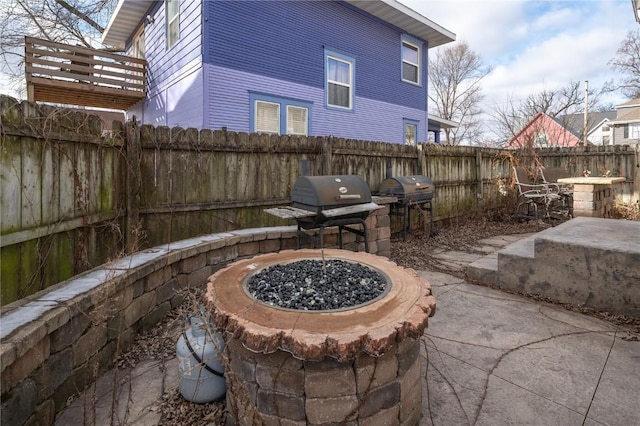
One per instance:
(280,389)
(56,342)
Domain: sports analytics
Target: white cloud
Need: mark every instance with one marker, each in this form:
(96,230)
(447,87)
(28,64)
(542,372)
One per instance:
(536,45)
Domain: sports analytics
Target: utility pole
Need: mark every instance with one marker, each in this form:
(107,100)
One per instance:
(586,111)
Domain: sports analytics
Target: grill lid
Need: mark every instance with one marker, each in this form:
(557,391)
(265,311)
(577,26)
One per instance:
(311,192)
(416,187)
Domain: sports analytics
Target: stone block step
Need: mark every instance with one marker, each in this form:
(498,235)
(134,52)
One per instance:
(484,269)
(586,261)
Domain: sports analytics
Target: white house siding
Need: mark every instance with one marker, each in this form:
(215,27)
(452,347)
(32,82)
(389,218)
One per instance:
(596,137)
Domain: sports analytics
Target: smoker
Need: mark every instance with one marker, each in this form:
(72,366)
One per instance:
(412,192)
(318,202)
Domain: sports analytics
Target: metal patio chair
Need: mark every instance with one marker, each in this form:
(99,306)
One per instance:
(533,195)
(550,176)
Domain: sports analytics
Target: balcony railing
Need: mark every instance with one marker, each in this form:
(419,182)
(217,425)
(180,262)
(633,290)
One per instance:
(74,75)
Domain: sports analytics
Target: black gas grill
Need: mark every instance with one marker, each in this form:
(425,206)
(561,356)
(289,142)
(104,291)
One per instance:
(319,202)
(412,192)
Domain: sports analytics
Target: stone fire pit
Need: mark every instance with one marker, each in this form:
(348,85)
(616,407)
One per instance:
(358,365)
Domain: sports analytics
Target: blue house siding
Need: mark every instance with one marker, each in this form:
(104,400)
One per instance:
(278,48)
(229,96)
(174,78)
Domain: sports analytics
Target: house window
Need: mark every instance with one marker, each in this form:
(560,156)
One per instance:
(276,114)
(605,140)
(267,117)
(541,139)
(632,131)
(297,120)
(410,132)
(339,77)
(410,62)
(605,128)
(172,10)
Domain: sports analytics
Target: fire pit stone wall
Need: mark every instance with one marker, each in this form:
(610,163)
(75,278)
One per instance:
(277,388)
(358,365)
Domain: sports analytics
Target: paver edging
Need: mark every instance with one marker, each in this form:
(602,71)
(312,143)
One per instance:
(115,296)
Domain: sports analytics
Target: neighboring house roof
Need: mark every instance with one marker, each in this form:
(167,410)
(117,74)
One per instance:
(575,122)
(632,116)
(129,13)
(628,112)
(629,104)
(554,133)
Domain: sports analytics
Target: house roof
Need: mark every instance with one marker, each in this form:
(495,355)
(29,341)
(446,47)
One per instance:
(123,22)
(543,121)
(441,123)
(632,116)
(575,122)
(632,103)
(406,19)
(129,13)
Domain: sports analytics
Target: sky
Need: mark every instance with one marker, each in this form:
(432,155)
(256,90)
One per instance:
(536,45)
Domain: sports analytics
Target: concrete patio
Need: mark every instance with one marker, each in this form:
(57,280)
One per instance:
(489,358)
(493,358)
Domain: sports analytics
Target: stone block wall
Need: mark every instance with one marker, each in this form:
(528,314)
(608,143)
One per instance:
(277,388)
(58,341)
(595,200)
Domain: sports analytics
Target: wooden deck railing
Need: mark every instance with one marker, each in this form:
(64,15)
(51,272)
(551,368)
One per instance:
(74,75)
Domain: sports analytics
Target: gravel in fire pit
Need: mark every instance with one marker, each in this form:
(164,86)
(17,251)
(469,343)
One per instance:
(304,285)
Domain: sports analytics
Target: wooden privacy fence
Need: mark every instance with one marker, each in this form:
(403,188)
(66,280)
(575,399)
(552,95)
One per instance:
(211,181)
(73,198)
(616,160)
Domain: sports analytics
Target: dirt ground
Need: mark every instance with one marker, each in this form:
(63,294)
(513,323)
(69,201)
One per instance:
(462,234)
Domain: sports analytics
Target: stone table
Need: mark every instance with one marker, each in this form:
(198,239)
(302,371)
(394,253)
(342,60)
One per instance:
(593,196)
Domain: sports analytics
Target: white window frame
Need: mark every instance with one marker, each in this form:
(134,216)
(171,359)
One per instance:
(170,21)
(414,126)
(634,131)
(331,56)
(306,121)
(285,105)
(256,109)
(541,139)
(415,46)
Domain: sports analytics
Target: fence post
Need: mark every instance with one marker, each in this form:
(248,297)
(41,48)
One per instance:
(326,155)
(420,167)
(133,227)
(479,177)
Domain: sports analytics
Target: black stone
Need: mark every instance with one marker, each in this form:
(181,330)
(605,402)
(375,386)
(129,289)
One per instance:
(307,285)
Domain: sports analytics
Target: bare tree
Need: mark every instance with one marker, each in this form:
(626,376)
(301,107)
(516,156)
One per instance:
(627,63)
(454,77)
(78,22)
(511,117)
